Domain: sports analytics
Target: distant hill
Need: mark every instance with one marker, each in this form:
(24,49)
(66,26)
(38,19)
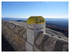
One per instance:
(19,19)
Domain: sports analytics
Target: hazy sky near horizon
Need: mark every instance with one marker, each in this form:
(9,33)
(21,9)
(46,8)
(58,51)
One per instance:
(27,9)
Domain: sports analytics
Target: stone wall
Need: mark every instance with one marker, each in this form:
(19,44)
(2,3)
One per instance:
(17,37)
(44,42)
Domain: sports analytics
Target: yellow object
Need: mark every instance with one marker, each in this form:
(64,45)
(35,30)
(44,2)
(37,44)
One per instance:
(35,20)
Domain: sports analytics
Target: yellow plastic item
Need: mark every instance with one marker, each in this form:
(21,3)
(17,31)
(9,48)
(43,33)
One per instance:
(36,20)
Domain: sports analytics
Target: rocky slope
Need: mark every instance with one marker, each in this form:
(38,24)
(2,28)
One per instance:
(15,33)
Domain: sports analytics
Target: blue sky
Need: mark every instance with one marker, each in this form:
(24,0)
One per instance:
(27,9)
